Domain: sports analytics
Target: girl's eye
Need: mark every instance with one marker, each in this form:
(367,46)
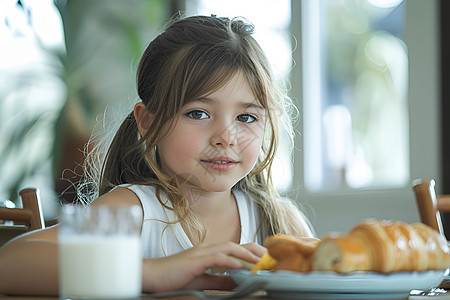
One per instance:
(197,115)
(246,118)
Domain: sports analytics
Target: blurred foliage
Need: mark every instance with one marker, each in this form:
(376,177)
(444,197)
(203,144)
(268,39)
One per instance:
(104,40)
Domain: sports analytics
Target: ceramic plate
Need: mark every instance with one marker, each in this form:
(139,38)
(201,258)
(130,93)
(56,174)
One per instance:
(330,285)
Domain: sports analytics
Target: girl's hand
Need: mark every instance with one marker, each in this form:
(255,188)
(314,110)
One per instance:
(255,248)
(187,269)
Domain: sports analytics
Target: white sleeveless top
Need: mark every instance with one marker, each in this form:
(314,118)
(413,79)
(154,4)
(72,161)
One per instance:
(160,239)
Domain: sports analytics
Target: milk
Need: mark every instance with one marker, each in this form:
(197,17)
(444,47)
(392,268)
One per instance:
(98,267)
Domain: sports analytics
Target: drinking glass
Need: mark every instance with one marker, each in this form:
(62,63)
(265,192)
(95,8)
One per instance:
(100,252)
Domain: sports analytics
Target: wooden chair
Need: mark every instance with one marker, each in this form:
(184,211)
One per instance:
(15,221)
(429,204)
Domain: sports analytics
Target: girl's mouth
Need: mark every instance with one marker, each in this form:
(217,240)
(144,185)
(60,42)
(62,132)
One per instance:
(221,164)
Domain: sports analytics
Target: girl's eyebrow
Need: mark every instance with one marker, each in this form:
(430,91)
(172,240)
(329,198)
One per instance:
(201,100)
(243,104)
(251,105)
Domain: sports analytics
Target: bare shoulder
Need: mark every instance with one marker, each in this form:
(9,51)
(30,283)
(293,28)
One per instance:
(118,195)
(49,234)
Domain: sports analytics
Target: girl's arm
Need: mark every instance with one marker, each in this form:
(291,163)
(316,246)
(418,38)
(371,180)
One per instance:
(29,264)
(187,269)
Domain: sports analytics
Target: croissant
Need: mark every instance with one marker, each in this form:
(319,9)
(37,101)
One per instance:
(436,247)
(287,253)
(383,246)
(342,254)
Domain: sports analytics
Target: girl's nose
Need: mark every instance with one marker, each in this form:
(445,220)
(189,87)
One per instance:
(224,138)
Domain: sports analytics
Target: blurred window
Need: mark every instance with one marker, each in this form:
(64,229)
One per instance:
(355,83)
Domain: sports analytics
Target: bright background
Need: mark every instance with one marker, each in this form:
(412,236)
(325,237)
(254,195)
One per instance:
(356,71)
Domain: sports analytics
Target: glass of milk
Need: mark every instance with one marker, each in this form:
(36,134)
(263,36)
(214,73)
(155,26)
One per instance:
(100,252)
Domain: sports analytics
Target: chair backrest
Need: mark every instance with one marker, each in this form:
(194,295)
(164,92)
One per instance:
(30,215)
(429,204)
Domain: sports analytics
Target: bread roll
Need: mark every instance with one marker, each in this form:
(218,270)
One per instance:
(371,246)
(383,246)
(436,247)
(266,262)
(342,254)
(290,253)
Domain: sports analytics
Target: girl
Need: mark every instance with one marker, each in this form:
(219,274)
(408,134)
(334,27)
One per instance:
(195,154)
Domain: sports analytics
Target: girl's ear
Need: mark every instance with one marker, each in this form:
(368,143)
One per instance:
(142,118)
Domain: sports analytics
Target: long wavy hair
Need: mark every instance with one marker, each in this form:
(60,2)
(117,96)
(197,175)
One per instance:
(192,57)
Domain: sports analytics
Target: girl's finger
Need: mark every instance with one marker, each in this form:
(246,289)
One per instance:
(249,252)
(229,249)
(255,249)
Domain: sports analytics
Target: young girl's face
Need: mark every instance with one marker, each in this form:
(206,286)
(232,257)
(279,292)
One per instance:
(216,139)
